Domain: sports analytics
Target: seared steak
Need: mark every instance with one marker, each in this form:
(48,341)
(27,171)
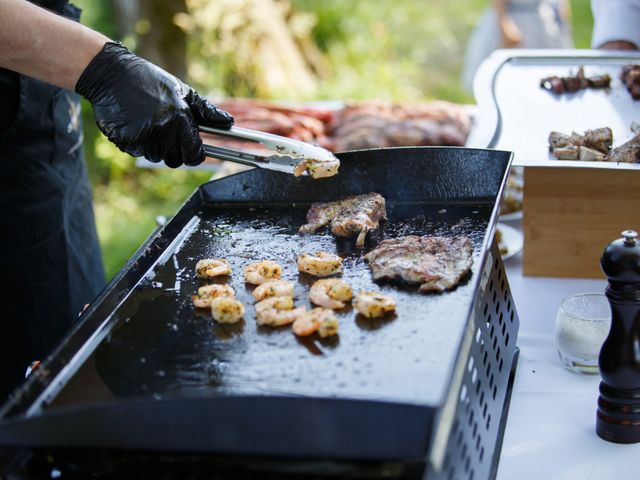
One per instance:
(436,263)
(348,217)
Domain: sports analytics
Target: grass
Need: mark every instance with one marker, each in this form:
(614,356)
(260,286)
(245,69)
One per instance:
(403,50)
(581,23)
(126,204)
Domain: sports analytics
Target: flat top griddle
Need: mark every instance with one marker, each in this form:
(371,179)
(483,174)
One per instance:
(143,370)
(163,346)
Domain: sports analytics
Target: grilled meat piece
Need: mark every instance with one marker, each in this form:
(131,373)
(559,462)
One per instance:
(593,145)
(630,76)
(436,263)
(626,153)
(348,217)
(600,81)
(382,124)
(578,152)
(566,153)
(370,124)
(559,140)
(599,139)
(589,154)
(573,83)
(553,84)
(372,131)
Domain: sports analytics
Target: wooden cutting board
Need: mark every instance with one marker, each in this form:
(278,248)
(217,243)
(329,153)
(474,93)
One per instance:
(571,214)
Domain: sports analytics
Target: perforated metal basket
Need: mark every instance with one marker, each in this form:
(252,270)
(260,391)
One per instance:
(481,406)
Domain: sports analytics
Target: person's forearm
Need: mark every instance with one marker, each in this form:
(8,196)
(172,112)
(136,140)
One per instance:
(509,31)
(565,11)
(618,45)
(43,45)
(500,7)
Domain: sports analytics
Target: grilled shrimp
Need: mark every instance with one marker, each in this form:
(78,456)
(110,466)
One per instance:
(373,304)
(320,264)
(208,292)
(274,288)
(328,328)
(212,267)
(277,318)
(275,303)
(321,320)
(317,168)
(330,293)
(261,272)
(277,311)
(226,310)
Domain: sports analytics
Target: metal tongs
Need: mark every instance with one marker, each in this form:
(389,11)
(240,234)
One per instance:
(291,156)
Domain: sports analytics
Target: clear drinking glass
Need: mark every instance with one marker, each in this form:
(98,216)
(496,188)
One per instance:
(582,325)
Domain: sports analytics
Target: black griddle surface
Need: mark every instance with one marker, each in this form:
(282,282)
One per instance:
(161,346)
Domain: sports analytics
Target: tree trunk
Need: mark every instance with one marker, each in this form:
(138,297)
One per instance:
(126,13)
(161,41)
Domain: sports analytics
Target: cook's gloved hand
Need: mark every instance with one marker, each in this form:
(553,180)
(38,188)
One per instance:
(145,110)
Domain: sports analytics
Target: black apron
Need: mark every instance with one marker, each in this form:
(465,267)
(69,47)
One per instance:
(50,264)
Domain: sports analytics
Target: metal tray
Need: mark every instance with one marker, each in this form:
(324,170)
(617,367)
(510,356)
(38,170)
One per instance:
(516,114)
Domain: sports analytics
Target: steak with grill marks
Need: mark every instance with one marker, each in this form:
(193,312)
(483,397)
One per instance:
(436,263)
(349,217)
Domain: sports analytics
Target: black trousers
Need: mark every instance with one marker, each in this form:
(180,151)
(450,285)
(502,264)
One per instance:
(50,264)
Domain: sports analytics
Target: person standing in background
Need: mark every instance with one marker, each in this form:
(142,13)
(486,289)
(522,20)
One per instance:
(517,24)
(616,24)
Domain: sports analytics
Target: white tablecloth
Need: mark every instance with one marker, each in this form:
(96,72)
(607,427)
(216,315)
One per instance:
(550,432)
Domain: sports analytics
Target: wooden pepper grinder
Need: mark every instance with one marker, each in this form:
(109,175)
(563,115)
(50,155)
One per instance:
(618,416)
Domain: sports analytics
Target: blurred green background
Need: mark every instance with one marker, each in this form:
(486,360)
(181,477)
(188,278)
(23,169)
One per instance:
(401,50)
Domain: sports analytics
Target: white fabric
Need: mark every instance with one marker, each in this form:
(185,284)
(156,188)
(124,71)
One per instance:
(615,20)
(550,432)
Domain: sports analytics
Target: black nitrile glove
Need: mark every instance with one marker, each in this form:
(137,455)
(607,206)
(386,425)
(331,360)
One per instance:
(145,110)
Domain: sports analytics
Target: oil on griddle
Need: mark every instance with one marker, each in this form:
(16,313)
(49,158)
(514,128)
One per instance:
(163,347)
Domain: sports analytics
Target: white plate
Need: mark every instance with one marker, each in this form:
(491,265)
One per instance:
(512,240)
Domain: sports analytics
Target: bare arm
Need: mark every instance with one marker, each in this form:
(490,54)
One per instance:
(500,6)
(618,45)
(43,45)
(509,31)
(565,11)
